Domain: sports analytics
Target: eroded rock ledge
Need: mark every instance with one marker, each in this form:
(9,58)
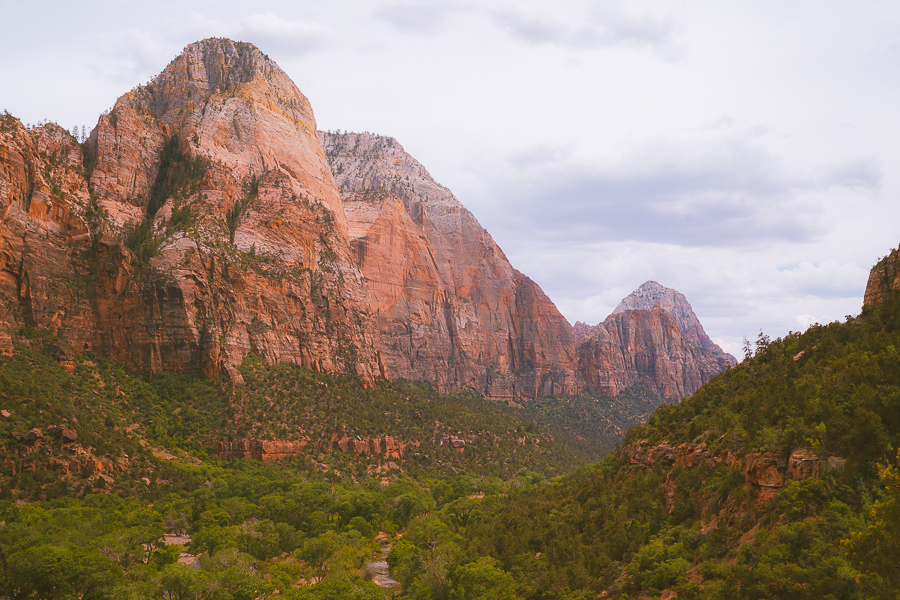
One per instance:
(773,469)
(268,451)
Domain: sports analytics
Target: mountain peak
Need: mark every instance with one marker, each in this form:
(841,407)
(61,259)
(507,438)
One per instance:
(651,294)
(209,67)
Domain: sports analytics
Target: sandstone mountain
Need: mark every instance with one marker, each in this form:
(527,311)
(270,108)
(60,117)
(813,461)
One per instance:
(581,330)
(201,223)
(651,294)
(653,338)
(449,306)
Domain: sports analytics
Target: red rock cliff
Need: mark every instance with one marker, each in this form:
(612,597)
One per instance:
(651,294)
(449,306)
(884,278)
(245,245)
(652,338)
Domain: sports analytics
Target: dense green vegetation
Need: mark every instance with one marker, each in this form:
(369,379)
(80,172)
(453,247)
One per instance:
(834,388)
(497,520)
(115,413)
(86,517)
(702,530)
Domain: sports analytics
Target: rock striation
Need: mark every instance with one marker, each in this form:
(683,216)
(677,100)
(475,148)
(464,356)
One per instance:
(653,338)
(205,219)
(449,306)
(581,330)
(199,223)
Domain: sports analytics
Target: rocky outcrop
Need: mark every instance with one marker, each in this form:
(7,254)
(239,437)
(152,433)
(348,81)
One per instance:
(278,450)
(765,469)
(884,279)
(653,338)
(581,331)
(200,223)
(449,307)
(262,450)
(651,294)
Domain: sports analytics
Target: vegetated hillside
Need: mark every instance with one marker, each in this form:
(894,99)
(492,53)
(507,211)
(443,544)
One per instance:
(101,427)
(764,484)
(101,468)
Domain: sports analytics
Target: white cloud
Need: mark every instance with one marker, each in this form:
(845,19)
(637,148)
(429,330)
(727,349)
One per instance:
(419,16)
(273,33)
(710,190)
(586,26)
(805,321)
(131,56)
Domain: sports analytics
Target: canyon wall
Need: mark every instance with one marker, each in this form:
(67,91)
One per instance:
(202,224)
(884,279)
(450,308)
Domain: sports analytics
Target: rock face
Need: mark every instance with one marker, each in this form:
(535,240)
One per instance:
(449,306)
(652,338)
(884,278)
(200,223)
(278,450)
(205,219)
(769,471)
(581,330)
(651,294)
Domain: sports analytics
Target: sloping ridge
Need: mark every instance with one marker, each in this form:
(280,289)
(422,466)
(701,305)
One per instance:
(450,307)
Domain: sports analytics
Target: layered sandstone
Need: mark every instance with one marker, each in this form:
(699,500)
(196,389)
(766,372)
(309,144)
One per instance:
(772,469)
(654,339)
(249,249)
(884,279)
(581,330)
(449,306)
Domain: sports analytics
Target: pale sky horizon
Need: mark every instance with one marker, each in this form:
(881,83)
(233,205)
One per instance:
(742,154)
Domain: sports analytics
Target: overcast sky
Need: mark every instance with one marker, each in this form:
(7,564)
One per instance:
(745,154)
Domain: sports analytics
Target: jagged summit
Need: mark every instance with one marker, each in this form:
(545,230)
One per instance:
(651,294)
(652,338)
(648,295)
(212,66)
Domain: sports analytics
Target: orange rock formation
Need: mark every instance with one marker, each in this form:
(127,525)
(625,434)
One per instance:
(449,306)
(251,255)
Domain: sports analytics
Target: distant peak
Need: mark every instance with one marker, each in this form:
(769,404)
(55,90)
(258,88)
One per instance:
(651,294)
(653,289)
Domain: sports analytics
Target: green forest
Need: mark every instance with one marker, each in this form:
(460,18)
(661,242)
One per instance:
(112,486)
